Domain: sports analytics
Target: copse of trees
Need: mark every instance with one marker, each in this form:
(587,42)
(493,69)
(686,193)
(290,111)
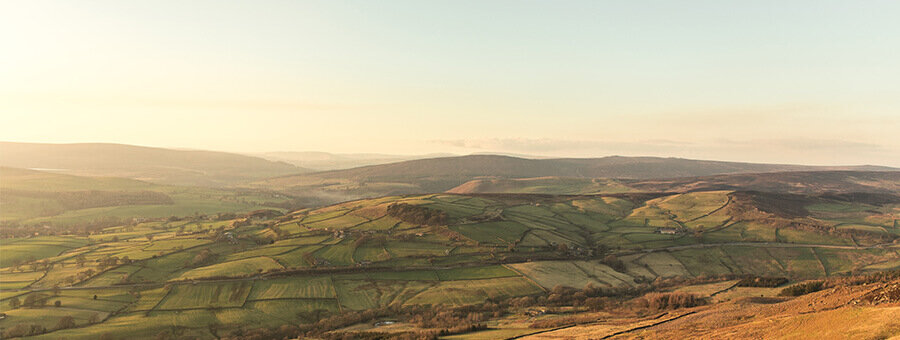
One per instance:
(665,301)
(21,329)
(65,322)
(769,282)
(802,288)
(417,214)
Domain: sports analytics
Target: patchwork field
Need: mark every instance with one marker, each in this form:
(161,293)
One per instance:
(205,274)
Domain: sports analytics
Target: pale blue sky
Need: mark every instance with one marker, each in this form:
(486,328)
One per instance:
(780,81)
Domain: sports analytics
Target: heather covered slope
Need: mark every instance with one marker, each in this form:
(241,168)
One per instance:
(158,165)
(845,310)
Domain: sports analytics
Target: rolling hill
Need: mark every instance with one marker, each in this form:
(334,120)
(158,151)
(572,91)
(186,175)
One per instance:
(798,182)
(324,161)
(527,263)
(446,173)
(157,165)
(29,197)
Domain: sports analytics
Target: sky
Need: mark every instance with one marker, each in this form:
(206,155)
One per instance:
(807,82)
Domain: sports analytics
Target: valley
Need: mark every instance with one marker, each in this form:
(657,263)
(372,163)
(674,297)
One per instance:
(210,274)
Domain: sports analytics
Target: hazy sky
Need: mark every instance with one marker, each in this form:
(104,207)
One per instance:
(778,81)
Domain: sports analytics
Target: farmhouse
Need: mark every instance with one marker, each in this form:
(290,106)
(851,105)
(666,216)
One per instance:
(668,231)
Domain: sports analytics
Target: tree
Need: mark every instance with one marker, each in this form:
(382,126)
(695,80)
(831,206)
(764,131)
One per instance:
(30,300)
(66,322)
(14,303)
(149,237)
(57,303)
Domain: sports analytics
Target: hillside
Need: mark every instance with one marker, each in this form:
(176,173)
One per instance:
(324,161)
(157,165)
(798,182)
(29,197)
(442,174)
(844,310)
(435,263)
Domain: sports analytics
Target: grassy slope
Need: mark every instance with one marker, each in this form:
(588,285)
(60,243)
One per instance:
(412,264)
(33,197)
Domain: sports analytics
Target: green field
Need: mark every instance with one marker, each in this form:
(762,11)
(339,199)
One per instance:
(200,271)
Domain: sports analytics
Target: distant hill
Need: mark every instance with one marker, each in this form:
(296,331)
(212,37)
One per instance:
(797,182)
(32,197)
(442,174)
(324,161)
(165,166)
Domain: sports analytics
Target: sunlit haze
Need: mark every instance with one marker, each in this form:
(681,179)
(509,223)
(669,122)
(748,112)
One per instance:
(812,82)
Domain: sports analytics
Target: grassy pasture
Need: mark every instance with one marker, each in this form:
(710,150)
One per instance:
(492,232)
(149,298)
(235,268)
(339,222)
(20,250)
(291,310)
(301,241)
(607,206)
(48,316)
(175,244)
(112,276)
(319,287)
(381,223)
(412,275)
(706,261)
(862,227)
(340,254)
(549,274)
(663,264)
(693,206)
(798,262)
(413,248)
(295,258)
(364,294)
(371,253)
(317,216)
(19,277)
(475,273)
(269,250)
(193,323)
(201,296)
(474,291)
(754,260)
